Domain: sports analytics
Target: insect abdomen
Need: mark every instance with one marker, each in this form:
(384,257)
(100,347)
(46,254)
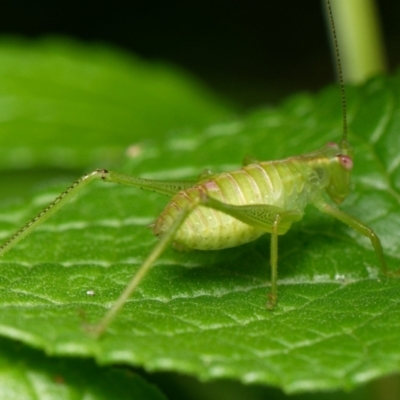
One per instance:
(275,183)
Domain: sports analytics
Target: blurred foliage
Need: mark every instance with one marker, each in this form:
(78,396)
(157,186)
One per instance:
(203,313)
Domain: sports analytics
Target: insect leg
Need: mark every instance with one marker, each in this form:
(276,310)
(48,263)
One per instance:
(261,216)
(359,226)
(269,218)
(53,207)
(273,295)
(164,242)
(167,188)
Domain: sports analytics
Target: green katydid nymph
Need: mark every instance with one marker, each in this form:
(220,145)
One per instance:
(228,209)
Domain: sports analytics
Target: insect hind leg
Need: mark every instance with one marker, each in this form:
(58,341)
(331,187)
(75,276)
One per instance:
(269,218)
(52,208)
(168,188)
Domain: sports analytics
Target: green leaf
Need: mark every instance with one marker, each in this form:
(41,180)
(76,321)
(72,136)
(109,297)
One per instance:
(203,313)
(66,104)
(28,374)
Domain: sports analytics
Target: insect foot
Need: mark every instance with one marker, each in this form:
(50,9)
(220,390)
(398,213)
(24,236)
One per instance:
(271,303)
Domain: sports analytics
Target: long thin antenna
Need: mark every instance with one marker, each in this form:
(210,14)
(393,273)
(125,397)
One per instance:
(343,142)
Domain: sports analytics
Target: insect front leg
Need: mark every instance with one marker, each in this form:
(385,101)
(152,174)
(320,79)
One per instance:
(269,218)
(359,226)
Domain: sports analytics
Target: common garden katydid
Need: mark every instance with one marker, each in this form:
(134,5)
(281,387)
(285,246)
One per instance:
(232,208)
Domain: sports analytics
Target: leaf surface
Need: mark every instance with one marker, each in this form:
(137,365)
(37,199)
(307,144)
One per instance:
(203,313)
(28,374)
(66,104)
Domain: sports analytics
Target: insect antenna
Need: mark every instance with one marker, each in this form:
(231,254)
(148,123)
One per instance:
(344,145)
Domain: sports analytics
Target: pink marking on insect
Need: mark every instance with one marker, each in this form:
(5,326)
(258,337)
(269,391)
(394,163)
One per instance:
(346,162)
(210,186)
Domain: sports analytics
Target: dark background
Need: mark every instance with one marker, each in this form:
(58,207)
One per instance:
(252,51)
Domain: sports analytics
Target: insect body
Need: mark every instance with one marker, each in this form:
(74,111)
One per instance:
(269,188)
(229,209)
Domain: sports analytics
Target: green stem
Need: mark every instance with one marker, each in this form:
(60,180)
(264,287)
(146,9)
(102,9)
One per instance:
(360,40)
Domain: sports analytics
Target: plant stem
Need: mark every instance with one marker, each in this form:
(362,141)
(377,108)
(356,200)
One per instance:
(360,40)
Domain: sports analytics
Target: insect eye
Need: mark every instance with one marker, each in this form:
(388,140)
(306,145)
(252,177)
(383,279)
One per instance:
(346,162)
